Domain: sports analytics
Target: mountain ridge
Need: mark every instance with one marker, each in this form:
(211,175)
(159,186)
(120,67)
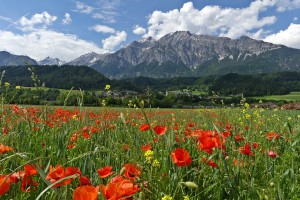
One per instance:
(8,59)
(184,54)
(181,53)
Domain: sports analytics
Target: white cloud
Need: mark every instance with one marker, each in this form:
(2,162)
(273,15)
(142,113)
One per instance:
(295,19)
(6,19)
(230,22)
(105,16)
(113,41)
(283,5)
(67,19)
(109,4)
(42,43)
(139,30)
(44,19)
(82,8)
(289,37)
(103,29)
(108,10)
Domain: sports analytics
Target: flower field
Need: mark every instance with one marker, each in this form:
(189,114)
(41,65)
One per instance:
(106,153)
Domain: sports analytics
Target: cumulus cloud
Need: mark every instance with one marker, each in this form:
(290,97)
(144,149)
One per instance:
(289,37)
(229,22)
(67,19)
(83,8)
(103,29)
(44,19)
(41,43)
(139,30)
(113,41)
(283,5)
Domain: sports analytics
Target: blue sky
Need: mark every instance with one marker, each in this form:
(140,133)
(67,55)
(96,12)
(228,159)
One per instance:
(67,29)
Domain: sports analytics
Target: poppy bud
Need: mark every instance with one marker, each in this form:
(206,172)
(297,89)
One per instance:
(141,196)
(122,171)
(190,184)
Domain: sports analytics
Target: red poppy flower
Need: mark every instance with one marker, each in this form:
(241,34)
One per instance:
(239,138)
(181,157)
(59,172)
(228,127)
(272,154)
(86,193)
(71,171)
(255,145)
(132,171)
(17,176)
(30,170)
(4,184)
(84,180)
(146,147)
(144,127)
(119,188)
(105,171)
(28,183)
(125,147)
(70,146)
(212,164)
(160,130)
(191,124)
(208,140)
(246,150)
(272,135)
(56,173)
(4,149)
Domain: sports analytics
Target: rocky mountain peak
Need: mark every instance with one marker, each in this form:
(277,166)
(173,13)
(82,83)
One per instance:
(51,61)
(181,50)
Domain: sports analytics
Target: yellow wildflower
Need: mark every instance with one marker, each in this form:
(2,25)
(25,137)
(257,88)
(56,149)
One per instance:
(186,198)
(149,155)
(107,87)
(155,163)
(167,197)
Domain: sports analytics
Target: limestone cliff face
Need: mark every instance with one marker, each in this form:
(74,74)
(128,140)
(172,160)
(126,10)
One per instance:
(189,52)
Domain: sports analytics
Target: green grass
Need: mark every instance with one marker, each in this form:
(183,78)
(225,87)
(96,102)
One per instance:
(293,96)
(65,91)
(112,137)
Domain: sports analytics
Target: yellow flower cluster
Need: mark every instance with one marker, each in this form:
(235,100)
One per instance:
(149,155)
(167,197)
(107,87)
(155,163)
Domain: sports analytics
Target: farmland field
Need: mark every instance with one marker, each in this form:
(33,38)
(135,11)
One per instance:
(292,96)
(64,91)
(105,153)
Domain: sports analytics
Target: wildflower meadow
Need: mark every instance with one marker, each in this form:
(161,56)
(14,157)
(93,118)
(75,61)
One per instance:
(137,153)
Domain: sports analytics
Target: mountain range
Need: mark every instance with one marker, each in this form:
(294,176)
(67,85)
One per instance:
(183,54)
(51,61)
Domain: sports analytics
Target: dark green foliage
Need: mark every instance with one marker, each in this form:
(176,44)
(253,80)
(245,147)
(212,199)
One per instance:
(165,92)
(256,85)
(63,77)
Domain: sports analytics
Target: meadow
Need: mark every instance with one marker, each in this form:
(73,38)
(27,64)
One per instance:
(292,96)
(136,153)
